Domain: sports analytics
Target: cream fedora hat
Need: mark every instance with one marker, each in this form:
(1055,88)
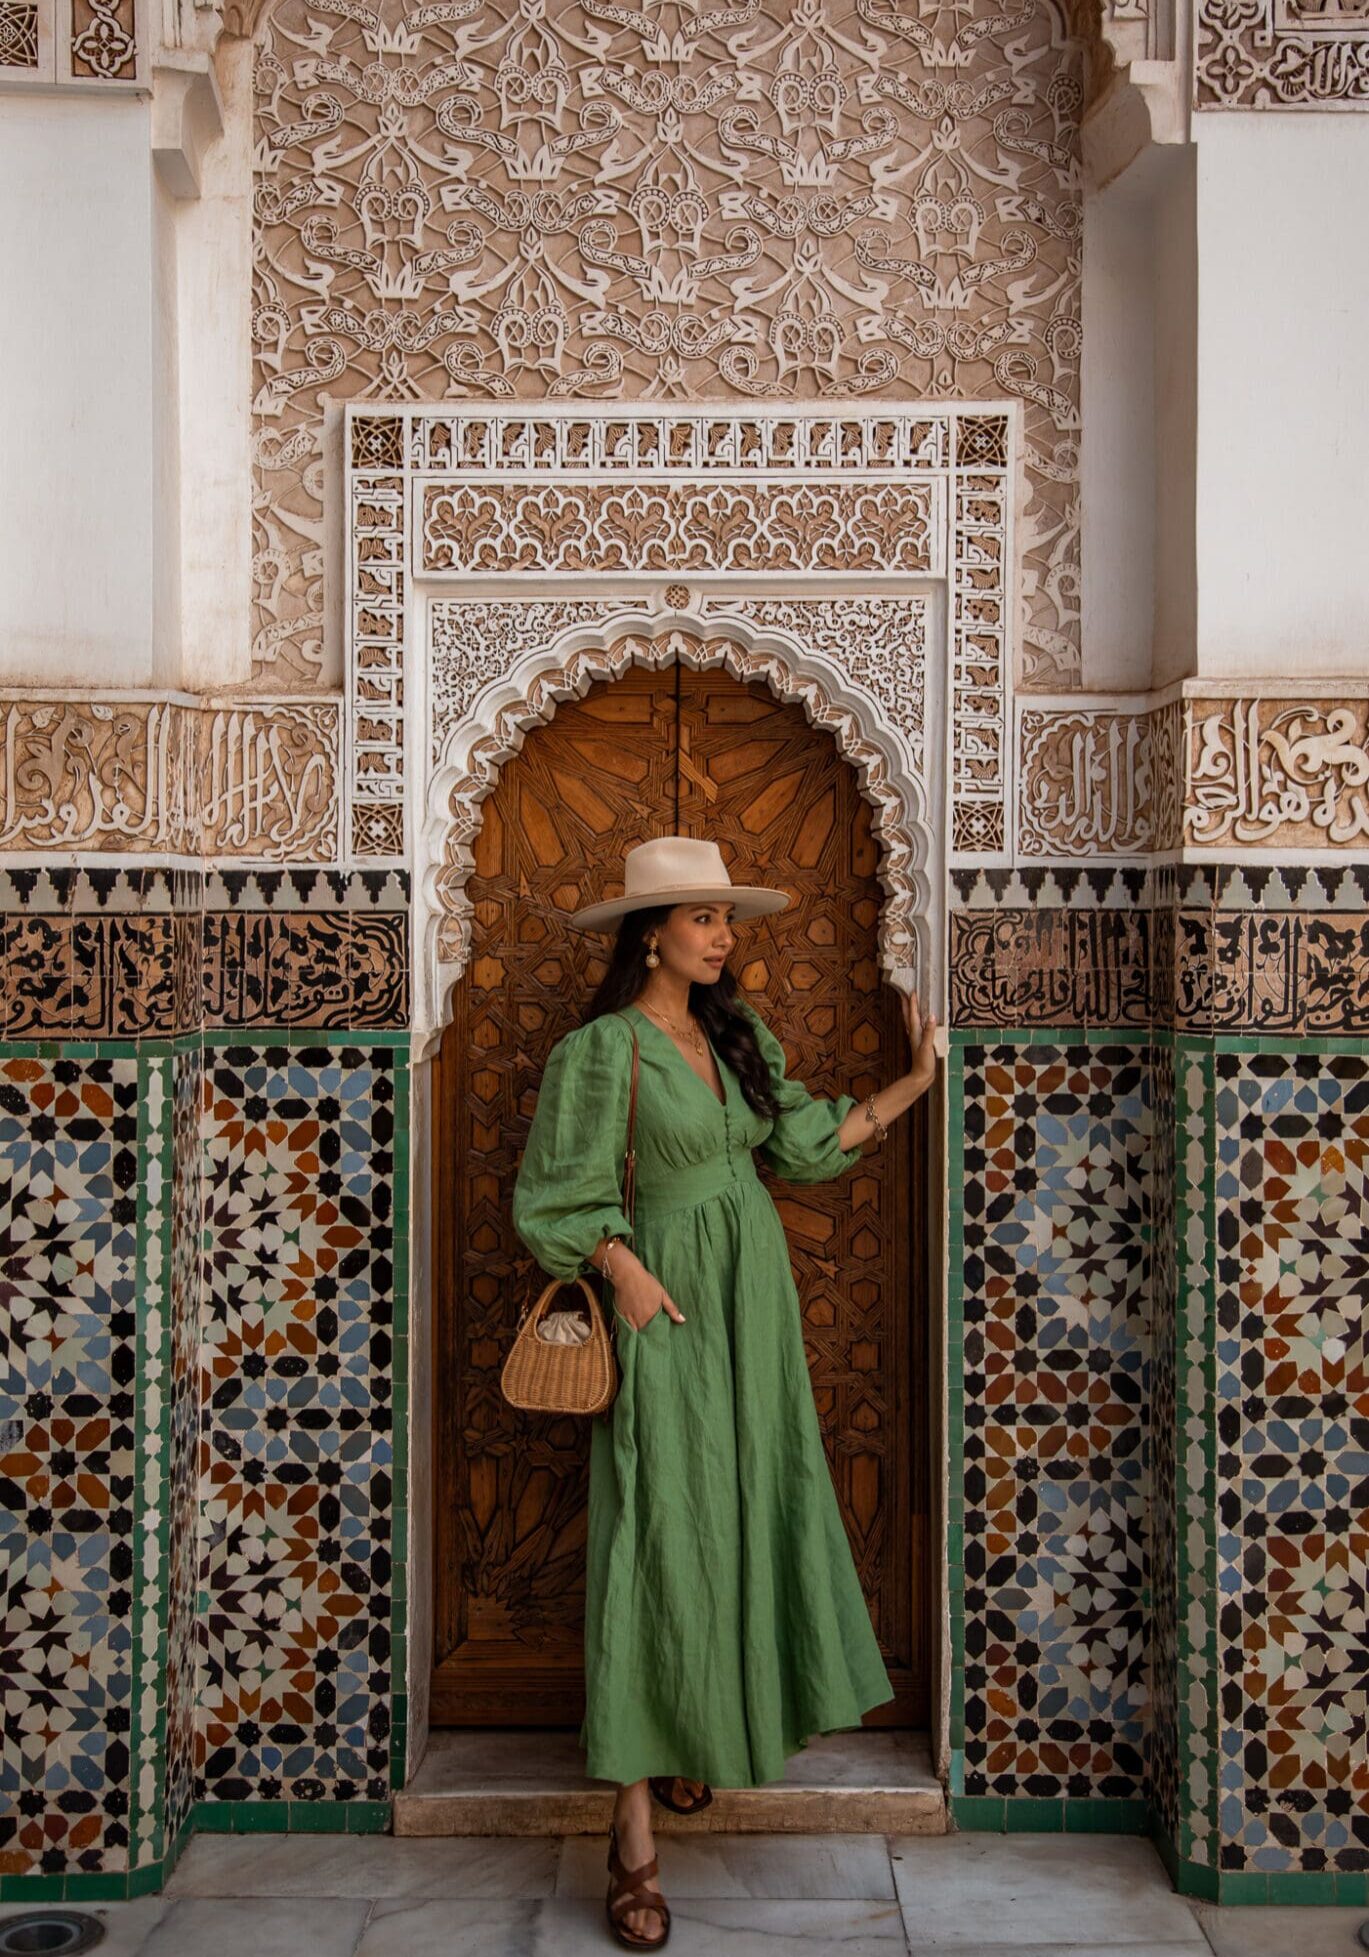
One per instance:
(675,870)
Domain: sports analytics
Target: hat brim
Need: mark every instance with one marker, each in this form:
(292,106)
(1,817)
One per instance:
(748,899)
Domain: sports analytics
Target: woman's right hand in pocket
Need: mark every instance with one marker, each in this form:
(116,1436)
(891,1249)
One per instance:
(637,1295)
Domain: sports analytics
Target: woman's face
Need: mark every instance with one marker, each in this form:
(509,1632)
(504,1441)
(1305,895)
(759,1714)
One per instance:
(695,939)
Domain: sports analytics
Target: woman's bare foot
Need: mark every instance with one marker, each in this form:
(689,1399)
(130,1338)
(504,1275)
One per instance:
(687,1790)
(632,1819)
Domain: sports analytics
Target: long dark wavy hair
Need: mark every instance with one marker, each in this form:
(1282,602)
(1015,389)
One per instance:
(714,1006)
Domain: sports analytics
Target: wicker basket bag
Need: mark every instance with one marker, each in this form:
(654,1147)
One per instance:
(554,1365)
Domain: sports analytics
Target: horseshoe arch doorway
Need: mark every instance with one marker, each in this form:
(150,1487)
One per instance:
(705,754)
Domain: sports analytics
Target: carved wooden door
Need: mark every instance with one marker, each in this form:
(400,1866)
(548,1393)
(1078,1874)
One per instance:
(702,754)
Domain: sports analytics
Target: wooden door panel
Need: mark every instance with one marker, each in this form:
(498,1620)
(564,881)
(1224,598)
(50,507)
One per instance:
(703,754)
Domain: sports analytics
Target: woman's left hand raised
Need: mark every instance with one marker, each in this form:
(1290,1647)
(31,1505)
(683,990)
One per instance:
(921,1031)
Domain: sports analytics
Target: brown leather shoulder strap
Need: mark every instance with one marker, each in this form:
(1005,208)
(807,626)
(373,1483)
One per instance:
(630,1158)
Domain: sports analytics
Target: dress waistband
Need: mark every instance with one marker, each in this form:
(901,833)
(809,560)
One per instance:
(682,1189)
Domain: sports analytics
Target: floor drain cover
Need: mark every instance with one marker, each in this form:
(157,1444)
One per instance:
(49,1933)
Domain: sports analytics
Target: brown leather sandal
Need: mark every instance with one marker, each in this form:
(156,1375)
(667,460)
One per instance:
(627,1891)
(663,1788)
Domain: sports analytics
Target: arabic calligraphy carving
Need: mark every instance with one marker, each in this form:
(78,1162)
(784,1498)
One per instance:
(1098,781)
(96,775)
(1050,967)
(1086,783)
(270,782)
(764,203)
(1282,54)
(258,781)
(1264,771)
(1284,971)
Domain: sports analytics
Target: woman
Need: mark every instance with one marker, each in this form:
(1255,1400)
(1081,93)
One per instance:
(724,1621)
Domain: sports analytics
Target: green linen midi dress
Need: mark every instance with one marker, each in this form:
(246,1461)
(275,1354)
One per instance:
(724,1619)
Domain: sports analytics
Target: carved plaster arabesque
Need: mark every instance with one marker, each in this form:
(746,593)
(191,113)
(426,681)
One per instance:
(22,41)
(927,489)
(1282,54)
(74,45)
(676,527)
(492,731)
(795,207)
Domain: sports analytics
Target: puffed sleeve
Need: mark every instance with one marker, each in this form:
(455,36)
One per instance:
(568,1190)
(802,1146)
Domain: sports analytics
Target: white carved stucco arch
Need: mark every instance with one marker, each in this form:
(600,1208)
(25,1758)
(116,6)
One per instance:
(492,732)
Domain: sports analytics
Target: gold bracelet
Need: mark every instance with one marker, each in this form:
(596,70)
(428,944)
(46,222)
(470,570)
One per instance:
(608,1252)
(880,1130)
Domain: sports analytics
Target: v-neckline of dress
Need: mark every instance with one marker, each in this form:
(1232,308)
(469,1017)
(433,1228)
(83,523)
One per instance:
(719,1062)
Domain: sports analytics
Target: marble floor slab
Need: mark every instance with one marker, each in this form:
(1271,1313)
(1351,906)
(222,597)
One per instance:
(575,1927)
(302,1926)
(829,1868)
(369,1866)
(127,1925)
(1197,1947)
(1279,1932)
(731,1895)
(974,1892)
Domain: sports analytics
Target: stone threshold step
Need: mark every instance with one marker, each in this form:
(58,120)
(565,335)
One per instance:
(513,1782)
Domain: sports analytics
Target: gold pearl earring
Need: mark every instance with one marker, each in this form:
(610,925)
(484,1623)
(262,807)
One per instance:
(651,958)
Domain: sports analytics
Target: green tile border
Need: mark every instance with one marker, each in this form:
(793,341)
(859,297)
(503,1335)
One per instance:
(1291,1045)
(1007,1815)
(1196,1667)
(334,1036)
(955,1404)
(399,1429)
(292,1817)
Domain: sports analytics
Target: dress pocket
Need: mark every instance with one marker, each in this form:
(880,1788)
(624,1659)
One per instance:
(638,1332)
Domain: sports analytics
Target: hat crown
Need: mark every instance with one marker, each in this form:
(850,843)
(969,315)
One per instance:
(672,862)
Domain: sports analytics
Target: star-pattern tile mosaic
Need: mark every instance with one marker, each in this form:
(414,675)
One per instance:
(1292,1273)
(69,1326)
(296,1473)
(1056,1383)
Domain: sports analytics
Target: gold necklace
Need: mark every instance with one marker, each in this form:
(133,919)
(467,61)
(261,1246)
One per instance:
(691,1033)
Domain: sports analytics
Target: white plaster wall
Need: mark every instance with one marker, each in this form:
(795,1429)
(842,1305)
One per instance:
(1117,453)
(1283,390)
(214,266)
(1175,303)
(166,440)
(77,506)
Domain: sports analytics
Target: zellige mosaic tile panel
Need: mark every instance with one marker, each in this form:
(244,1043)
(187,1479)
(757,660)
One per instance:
(297,1670)
(1054,1299)
(69,1196)
(1292,1387)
